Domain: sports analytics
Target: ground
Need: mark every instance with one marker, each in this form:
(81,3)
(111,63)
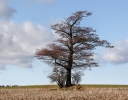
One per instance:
(87,92)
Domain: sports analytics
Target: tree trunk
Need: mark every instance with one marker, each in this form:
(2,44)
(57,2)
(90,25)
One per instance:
(68,76)
(70,60)
(68,81)
(60,86)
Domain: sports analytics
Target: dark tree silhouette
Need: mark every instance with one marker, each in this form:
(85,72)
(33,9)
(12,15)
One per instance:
(73,50)
(58,76)
(76,77)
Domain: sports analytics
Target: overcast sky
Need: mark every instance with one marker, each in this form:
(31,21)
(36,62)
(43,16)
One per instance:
(25,27)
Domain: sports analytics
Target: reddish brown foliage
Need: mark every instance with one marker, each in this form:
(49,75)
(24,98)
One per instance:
(74,47)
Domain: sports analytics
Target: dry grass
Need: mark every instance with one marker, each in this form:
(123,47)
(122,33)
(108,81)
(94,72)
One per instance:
(45,94)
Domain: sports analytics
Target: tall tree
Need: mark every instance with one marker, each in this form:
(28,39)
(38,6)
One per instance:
(73,49)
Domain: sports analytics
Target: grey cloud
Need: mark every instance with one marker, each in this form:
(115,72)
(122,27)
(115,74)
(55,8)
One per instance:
(5,10)
(19,42)
(118,54)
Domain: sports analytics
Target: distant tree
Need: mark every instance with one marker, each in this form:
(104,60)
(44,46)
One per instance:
(58,76)
(73,49)
(76,77)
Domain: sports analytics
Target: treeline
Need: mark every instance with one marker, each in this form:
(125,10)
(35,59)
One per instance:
(8,85)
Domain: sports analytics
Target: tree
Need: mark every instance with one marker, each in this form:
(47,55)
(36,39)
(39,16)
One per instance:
(58,76)
(76,77)
(74,48)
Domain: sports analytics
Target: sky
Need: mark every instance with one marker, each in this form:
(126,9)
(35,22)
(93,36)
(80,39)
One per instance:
(25,27)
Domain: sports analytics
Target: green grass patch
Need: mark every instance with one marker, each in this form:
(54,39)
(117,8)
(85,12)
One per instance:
(103,86)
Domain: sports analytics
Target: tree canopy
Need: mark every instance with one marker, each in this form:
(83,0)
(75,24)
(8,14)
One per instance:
(74,47)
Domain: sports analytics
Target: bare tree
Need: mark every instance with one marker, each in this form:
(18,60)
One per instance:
(59,76)
(76,77)
(74,48)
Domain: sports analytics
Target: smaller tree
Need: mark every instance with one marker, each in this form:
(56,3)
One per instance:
(76,77)
(58,76)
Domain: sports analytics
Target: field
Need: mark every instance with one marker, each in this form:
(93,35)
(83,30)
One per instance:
(50,92)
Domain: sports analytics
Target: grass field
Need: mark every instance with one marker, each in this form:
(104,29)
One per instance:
(55,86)
(50,92)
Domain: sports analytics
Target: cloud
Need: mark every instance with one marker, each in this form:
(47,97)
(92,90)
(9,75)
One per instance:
(5,10)
(118,54)
(19,42)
